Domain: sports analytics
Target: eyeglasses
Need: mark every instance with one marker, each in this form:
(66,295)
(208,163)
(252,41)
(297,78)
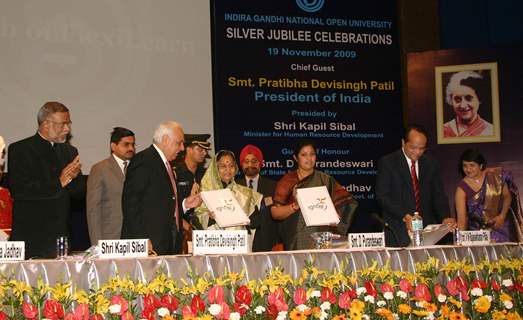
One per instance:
(61,125)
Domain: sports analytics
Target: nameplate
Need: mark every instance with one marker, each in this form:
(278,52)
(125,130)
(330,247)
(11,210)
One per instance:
(366,240)
(12,250)
(473,237)
(124,248)
(219,242)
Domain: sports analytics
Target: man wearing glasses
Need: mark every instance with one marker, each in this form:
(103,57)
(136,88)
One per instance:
(105,185)
(44,173)
(410,181)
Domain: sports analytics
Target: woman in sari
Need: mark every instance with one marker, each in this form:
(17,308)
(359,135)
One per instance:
(6,202)
(219,175)
(295,234)
(483,199)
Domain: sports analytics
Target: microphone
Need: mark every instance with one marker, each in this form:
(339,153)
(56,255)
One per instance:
(386,225)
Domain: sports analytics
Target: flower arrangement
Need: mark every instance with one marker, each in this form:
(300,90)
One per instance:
(457,290)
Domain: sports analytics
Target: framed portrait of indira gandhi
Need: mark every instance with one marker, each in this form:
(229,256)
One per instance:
(467,103)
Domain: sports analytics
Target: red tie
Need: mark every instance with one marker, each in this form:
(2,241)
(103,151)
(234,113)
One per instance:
(173,183)
(415,185)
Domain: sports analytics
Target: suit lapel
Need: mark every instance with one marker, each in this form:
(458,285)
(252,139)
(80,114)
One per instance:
(162,169)
(115,168)
(404,169)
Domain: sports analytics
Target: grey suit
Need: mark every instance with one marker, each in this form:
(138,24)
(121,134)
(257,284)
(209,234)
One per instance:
(104,200)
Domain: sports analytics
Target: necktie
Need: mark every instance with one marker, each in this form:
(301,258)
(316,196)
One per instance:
(415,185)
(125,163)
(173,183)
(250,184)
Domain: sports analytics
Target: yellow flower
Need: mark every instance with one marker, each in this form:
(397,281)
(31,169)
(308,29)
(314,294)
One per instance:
(316,312)
(513,316)
(168,317)
(385,313)
(81,296)
(457,316)
(297,315)
(339,317)
(455,302)
(445,311)
(420,313)
(206,317)
(505,297)
(61,291)
(404,308)
(482,305)
(499,315)
(357,305)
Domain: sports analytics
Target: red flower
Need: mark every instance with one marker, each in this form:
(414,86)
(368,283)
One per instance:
(476,283)
(30,311)
(495,284)
(352,293)
(187,311)
(243,295)
(69,316)
(197,305)
(81,312)
(344,300)
(371,289)
(422,292)
(120,301)
(518,286)
(386,287)
(215,295)
(277,299)
(53,310)
(241,308)
(405,285)
(225,313)
(438,289)
(169,302)
(97,317)
(148,313)
(3,316)
(150,301)
(328,295)
(272,311)
(300,296)
(127,315)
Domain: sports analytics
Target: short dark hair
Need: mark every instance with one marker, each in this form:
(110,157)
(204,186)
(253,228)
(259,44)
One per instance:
(471,155)
(414,127)
(119,133)
(48,109)
(300,144)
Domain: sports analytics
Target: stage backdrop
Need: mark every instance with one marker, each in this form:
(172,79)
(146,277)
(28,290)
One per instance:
(322,70)
(423,69)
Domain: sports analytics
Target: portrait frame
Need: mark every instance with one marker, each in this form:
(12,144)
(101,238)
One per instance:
(445,113)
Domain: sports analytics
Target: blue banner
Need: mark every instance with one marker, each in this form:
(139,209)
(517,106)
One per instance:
(322,70)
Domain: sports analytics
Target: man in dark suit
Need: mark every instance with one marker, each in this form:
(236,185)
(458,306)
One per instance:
(105,185)
(44,172)
(266,234)
(149,199)
(398,173)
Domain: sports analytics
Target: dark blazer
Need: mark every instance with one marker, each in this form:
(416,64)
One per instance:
(41,208)
(148,203)
(104,200)
(395,195)
(266,235)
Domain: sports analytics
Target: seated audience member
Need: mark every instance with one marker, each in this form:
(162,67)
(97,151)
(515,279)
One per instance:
(465,92)
(483,199)
(6,202)
(219,175)
(296,235)
(251,161)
